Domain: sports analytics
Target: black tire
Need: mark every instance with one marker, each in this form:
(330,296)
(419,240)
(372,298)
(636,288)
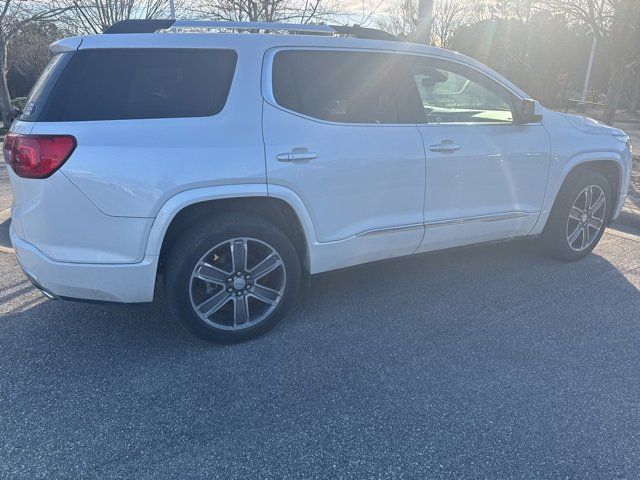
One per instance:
(194,243)
(555,236)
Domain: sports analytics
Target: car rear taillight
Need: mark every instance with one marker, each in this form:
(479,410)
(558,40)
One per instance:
(37,156)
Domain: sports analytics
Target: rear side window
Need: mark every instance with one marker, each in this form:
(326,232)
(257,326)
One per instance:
(117,84)
(43,86)
(344,86)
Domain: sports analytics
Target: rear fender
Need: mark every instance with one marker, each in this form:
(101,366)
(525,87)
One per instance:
(190,197)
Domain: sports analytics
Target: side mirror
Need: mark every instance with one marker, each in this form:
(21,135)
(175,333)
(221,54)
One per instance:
(527,112)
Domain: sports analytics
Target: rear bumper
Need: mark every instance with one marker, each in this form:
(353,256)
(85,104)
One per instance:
(127,283)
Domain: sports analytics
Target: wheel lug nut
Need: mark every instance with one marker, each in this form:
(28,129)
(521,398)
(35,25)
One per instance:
(239,274)
(239,294)
(229,290)
(230,279)
(248,277)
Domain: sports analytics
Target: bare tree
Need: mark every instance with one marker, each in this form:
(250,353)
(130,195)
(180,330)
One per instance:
(448,17)
(401,18)
(94,16)
(295,11)
(15,15)
(594,15)
(28,55)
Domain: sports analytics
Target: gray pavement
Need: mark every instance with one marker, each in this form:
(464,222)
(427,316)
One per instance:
(489,362)
(5,188)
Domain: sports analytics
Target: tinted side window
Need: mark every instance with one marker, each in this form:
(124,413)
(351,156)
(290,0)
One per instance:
(452,93)
(114,84)
(44,85)
(342,86)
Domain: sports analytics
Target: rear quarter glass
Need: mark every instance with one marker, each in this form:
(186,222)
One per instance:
(132,83)
(46,82)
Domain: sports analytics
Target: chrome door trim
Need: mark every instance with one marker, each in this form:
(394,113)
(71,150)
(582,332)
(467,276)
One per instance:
(493,217)
(384,230)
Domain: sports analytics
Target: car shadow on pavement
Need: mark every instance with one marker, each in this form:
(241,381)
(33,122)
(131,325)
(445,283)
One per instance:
(419,297)
(5,241)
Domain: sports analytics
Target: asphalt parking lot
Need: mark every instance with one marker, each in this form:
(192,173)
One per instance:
(490,362)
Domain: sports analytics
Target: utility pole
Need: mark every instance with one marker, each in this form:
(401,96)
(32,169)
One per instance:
(587,77)
(172,10)
(635,92)
(425,19)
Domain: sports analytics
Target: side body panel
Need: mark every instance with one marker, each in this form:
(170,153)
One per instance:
(364,192)
(492,188)
(365,177)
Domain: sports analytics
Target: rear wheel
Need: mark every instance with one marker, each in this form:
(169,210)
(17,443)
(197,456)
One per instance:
(231,278)
(579,216)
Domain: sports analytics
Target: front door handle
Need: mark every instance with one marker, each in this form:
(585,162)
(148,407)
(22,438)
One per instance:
(446,146)
(296,156)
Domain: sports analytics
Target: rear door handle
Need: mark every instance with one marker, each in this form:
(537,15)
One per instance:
(296,156)
(445,147)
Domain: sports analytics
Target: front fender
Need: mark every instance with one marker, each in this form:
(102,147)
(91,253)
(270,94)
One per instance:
(563,167)
(586,157)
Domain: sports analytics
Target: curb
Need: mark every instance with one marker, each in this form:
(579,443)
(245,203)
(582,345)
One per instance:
(629,218)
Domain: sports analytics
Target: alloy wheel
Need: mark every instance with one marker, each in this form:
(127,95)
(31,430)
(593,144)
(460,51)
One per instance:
(237,284)
(586,218)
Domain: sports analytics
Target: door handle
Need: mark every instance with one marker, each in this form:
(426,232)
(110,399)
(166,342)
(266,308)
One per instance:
(446,146)
(296,156)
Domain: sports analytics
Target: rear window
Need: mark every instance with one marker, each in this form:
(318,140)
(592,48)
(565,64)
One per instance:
(118,84)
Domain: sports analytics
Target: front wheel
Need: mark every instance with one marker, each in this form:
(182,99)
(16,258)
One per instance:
(231,278)
(579,216)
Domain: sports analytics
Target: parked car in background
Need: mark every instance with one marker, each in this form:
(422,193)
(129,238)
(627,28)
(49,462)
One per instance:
(234,163)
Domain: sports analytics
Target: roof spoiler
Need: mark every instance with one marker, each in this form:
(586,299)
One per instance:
(139,26)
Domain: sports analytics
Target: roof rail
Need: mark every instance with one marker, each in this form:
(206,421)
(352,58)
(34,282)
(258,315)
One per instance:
(153,25)
(364,32)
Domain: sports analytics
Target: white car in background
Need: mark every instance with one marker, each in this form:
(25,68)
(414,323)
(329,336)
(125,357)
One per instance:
(232,163)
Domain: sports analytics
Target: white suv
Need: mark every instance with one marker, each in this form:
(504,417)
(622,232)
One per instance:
(232,163)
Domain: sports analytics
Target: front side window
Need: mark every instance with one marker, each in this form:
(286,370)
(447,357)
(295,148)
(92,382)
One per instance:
(452,93)
(132,83)
(341,86)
